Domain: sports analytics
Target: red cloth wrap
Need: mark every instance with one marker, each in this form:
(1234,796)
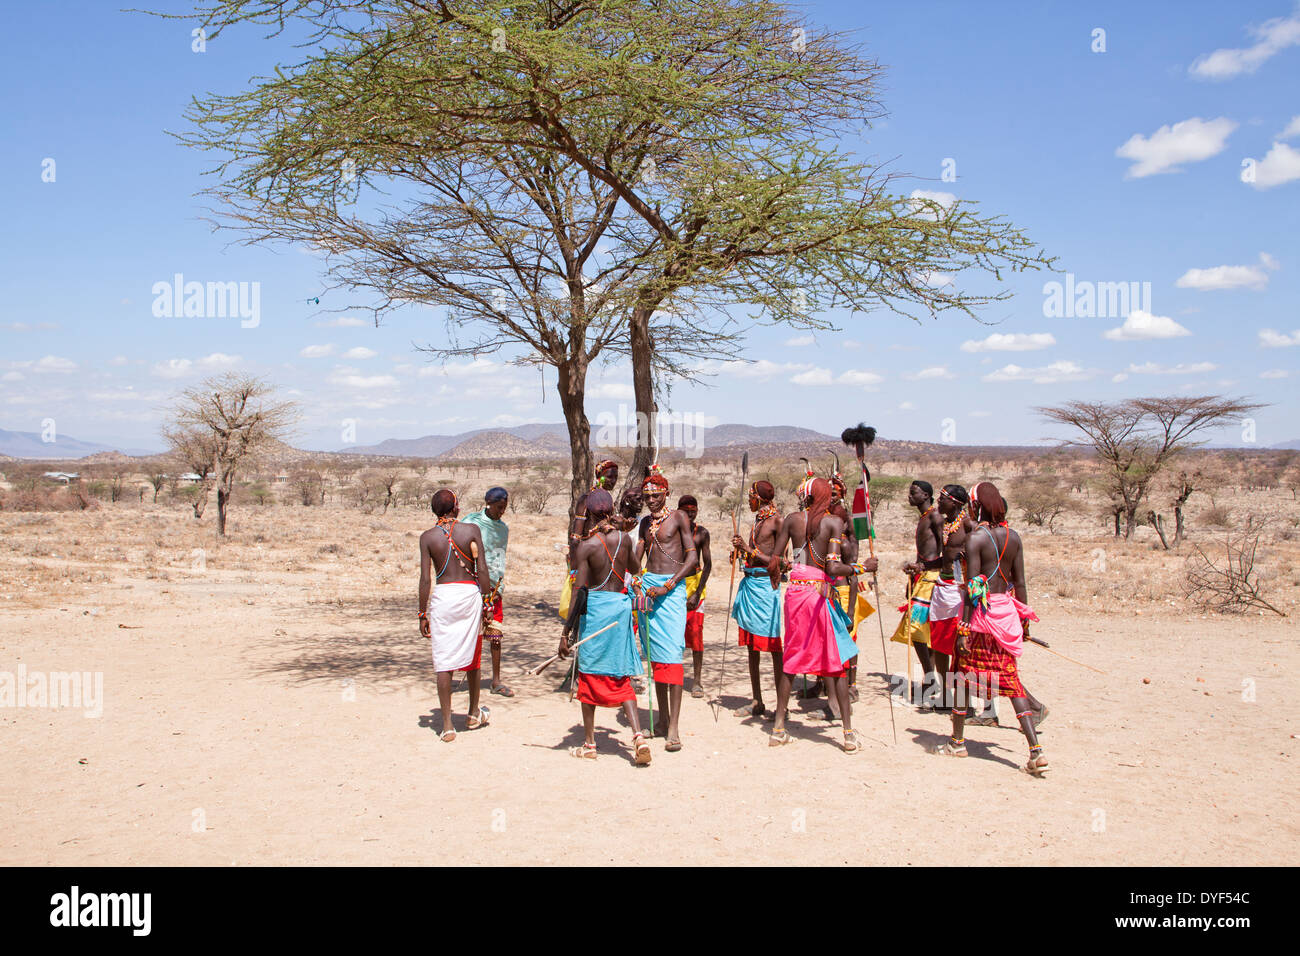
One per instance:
(695,630)
(668,673)
(601,690)
(986,660)
(757,641)
(943,635)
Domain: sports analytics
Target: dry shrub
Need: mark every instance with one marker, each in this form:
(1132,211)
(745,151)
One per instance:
(72,498)
(1217,516)
(1234,584)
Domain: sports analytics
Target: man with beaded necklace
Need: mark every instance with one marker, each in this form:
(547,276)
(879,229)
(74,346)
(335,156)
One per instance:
(668,551)
(757,606)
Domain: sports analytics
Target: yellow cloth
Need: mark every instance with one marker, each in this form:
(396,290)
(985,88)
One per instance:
(842,597)
(566,596)
(692,583)
(910,631)
(861,612)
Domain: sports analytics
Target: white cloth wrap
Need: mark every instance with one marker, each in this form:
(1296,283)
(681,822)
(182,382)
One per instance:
(455,616)
(945,602)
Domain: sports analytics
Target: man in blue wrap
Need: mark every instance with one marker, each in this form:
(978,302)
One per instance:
(606,662)
(668,550)
(757,606)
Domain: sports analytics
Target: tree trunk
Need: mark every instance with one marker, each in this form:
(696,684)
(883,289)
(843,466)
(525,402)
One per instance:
(1116,514)
(1130,520)
(571,383)
(201,497)
(643,389)
(223,500)
(1156,523)
(1184,493)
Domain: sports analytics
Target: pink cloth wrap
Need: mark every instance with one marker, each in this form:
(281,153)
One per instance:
(810,645)
(1002,619)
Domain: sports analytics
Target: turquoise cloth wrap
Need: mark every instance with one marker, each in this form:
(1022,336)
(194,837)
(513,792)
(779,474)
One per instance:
(665,621)
(757,607)
(842,624)
(613,653)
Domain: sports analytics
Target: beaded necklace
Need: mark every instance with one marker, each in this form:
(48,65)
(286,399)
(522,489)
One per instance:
(950,527)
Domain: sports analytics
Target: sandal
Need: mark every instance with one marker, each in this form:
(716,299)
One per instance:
(642,749)
(779,738)
(585,752)
(447,736)
(752,709)
(697,691)
(949,749)
(482,720)
(672,746)
(503,690)
(852,742)
(1037,766)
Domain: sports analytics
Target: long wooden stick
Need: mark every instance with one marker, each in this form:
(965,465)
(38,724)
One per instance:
(715,702)
(875,585)
(551,660)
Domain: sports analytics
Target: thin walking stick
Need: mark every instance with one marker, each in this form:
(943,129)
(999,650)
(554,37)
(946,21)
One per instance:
(715,702)
(860,437)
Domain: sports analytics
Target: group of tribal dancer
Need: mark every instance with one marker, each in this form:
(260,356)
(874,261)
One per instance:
(636,584)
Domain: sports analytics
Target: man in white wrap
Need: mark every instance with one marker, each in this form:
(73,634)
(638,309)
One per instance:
(452,554)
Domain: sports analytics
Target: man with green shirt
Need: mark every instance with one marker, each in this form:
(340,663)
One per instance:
(495,535)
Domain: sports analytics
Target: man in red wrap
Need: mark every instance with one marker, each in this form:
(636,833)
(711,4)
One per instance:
(994,621)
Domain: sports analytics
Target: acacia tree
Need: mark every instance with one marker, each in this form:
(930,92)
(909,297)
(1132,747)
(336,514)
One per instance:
(234,417)
(1135,438)
(587,181)
(195,449)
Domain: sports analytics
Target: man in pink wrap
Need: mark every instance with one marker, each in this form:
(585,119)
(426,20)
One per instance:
(994,622)
(811,642)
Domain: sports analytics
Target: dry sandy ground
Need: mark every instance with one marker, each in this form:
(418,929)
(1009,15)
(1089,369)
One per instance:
(267,701)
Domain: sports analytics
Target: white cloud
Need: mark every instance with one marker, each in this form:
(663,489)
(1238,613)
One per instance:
(118,360)
(1271,37)
(13,377)
(1119,377)
(799,340)
(851,344)
(1139,326)
(934,371)
(1292,129)
(860,377)
(1275,373)
(1190,141)
(173,368)
(349,378)
(761,369)
(616,390)
(1011,342)
(218,360)
(935,280)
(474,367)
(54,363)
(815,376)
(1153,368)
(1064,371)
(925,201)
(360,352)
(317,351)
(1280,165)
(1229,277)
(1272,339)
(342,322)
(905,406)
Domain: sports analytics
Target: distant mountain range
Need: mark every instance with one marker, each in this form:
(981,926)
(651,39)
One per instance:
(552,441)
(30,445)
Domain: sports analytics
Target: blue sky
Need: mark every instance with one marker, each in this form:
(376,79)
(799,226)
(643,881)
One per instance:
(1126,164)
